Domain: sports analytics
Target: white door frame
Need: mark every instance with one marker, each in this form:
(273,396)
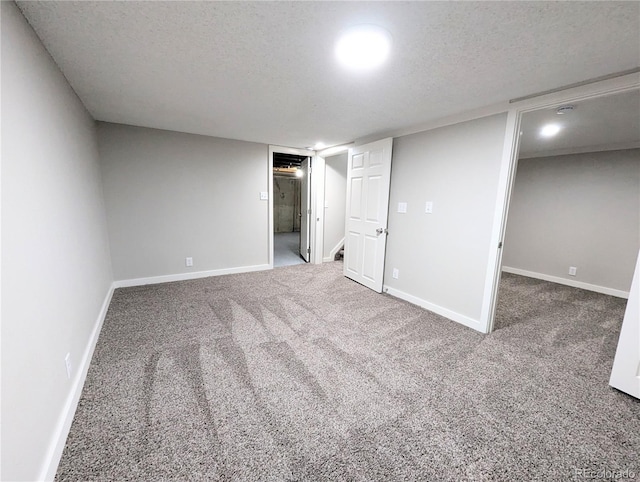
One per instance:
(509,165)
(313,235)
(320,161)
(316,231)
(625,373)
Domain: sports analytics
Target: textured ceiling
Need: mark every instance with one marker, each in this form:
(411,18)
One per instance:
(266,72)
(612,121)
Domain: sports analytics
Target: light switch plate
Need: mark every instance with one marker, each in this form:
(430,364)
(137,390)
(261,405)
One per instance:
(264,196)
(428,207)
(402,207)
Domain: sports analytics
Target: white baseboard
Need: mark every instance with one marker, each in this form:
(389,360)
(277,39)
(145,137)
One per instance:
(567,282)
(63,426)
(126,283)
(334,251)
(447,313)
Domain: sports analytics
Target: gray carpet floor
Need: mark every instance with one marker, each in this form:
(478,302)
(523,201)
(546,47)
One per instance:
(300,374)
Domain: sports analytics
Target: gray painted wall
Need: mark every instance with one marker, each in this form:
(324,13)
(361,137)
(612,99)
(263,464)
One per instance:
(442,257)
(55,257)
(171,195)
(335,188)
(579,210)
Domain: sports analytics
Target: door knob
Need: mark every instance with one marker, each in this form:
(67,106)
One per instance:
(379,231)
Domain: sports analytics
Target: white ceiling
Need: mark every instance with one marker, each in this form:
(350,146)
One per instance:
(266,72)
(603,123)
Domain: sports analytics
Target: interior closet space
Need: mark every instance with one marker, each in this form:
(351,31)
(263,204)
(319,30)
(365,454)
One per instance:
(573,229)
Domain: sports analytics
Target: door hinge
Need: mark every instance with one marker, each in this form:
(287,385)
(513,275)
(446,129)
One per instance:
(309,250)
(500,245)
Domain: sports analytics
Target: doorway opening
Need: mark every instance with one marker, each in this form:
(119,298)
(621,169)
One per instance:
(573,227)
(335,206)
(291,209)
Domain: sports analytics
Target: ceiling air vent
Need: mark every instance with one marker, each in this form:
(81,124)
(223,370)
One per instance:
(565,109)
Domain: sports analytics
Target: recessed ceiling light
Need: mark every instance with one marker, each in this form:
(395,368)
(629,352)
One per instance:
(550,130)
(363,47)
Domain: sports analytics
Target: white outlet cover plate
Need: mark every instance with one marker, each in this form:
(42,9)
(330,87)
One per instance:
(402,207)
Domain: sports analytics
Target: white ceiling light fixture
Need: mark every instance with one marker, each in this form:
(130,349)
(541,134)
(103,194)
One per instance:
(550,130)
(319,145)
(363,47)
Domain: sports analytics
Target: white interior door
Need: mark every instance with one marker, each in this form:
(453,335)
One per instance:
(305,210)
(368,180)
(625,375)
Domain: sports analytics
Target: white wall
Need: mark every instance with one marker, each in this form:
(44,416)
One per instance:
(171,195)
(579,210)
(335,198)
(55,258)
(443,257)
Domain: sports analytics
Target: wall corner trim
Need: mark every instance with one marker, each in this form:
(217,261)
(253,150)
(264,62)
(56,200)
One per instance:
(437,309)
(187,276)
(59,439)
(567,282)
(334,251)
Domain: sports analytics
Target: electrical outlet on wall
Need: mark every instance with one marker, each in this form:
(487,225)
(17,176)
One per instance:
(188,262)
(572,270)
